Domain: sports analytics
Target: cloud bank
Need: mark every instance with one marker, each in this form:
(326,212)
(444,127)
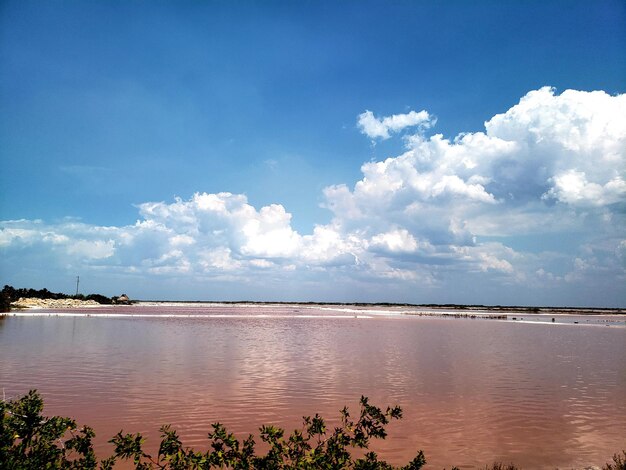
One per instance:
(449,219)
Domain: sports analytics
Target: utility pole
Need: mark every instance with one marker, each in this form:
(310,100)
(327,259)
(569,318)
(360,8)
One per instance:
(77,281)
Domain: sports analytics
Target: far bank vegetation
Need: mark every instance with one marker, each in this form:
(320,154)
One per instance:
(10,294)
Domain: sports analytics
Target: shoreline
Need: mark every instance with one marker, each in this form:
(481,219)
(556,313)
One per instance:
(379,308)
(213,310)
(357,306)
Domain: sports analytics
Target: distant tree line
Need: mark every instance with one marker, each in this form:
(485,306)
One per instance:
(11,294)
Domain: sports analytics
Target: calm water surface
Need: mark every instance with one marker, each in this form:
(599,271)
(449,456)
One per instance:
(541,395)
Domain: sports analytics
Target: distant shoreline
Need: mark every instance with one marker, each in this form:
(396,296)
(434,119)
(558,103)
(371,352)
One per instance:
(405,308)
(43,298)
(309,310)
(456,307)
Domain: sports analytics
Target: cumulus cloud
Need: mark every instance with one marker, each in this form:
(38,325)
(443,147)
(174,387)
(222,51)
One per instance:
(91,249)
(442,210)
(395,241)
(572,187)
(380,128)
(567,148)
(572,146)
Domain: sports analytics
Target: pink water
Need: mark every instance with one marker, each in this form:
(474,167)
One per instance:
(473,391)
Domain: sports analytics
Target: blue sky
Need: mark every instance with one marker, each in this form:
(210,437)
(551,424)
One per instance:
(112,108)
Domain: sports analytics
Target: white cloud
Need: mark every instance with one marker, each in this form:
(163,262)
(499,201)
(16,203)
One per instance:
(569,147)
(552,164)
(574,133)
(395,241)
(91,249)
(327,246)
(217,260)
(269,234)
(374,127)
(181,240)
(9,236)
(572,187)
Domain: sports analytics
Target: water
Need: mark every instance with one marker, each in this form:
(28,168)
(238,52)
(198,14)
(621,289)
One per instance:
(473,391)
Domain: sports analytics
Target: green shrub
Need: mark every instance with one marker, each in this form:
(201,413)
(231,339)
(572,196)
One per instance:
(28,440)
(619,462)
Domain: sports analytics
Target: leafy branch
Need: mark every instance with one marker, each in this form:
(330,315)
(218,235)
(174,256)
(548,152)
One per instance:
(30,441)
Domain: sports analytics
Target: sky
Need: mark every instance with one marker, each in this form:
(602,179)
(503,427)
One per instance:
(354,151)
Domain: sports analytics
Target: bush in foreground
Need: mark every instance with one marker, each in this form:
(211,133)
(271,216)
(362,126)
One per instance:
(30,441)
(619,462)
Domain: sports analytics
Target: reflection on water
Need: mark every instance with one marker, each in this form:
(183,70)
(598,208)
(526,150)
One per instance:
(472,390)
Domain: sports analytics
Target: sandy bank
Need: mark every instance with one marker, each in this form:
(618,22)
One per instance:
(53,303)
